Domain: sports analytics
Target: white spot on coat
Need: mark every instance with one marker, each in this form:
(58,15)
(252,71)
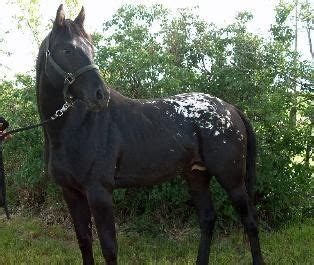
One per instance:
(208,111)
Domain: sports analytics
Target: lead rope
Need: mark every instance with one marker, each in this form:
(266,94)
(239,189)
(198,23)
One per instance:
(55,116)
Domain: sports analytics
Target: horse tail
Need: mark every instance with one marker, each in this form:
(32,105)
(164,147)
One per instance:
(250,177)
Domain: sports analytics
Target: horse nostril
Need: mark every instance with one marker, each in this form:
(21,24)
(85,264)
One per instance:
(99,95)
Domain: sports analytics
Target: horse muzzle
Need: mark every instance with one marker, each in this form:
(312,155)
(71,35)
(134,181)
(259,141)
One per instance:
(98,101)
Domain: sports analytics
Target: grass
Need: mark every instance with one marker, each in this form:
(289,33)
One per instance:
(29,241)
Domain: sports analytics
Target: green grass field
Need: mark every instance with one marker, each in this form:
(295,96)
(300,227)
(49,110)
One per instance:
(29,241)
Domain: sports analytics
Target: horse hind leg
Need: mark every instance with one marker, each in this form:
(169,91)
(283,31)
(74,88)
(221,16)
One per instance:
(237,192)
(198,183)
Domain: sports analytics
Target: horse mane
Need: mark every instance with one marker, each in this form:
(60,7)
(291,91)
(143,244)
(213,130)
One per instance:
(39,60)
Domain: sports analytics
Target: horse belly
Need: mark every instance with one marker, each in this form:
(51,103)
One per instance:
(149,168)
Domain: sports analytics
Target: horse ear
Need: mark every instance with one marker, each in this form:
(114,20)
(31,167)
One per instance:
(60,17)
(80,17)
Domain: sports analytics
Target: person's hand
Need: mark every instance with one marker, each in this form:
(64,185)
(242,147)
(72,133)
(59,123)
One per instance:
(3,131)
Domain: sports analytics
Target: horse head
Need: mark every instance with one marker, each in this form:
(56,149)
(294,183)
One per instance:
(69,62)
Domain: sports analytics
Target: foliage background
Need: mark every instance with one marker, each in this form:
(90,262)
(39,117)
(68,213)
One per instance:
(147,52)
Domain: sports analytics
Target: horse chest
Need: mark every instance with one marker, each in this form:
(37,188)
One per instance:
(76,164)
(61,169)
(68,168)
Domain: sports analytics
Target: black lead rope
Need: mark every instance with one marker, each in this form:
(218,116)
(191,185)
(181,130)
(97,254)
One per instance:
(56,115)
(22,129)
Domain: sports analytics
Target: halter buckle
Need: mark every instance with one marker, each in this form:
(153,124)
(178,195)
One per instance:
(69,78)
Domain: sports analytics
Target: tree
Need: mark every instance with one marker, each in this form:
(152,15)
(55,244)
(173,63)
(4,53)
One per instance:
(29,17)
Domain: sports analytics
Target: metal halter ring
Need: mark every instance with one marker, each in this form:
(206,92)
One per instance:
(69,78)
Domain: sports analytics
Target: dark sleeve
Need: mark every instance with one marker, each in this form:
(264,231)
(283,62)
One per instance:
(4,122)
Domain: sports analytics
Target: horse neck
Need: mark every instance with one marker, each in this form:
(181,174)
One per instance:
(49,98)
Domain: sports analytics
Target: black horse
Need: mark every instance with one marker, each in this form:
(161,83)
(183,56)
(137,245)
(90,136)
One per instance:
(108,141)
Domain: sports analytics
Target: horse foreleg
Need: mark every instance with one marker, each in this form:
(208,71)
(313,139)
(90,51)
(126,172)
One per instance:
(198,182)
(80,213)
(101,205)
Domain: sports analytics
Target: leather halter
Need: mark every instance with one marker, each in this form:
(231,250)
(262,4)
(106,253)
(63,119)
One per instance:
(69,78)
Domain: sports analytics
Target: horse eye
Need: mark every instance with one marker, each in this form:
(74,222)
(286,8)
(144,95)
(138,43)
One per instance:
(67,51)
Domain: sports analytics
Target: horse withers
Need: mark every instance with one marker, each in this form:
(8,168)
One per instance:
(107,141)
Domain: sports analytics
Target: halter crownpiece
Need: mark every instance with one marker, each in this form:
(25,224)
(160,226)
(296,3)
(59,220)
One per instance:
(69,78)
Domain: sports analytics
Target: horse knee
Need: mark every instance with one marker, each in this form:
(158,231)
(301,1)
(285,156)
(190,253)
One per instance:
(85,242)
(210,216)
(250,226)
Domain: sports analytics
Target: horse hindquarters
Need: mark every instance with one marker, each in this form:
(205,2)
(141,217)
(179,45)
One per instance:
(229,164)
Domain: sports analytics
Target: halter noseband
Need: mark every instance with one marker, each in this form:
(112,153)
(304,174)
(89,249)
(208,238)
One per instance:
(69,78)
